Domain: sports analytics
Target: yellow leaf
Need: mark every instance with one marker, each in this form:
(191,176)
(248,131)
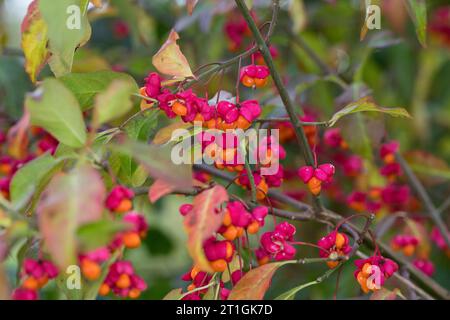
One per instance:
(34,41)
(170,60)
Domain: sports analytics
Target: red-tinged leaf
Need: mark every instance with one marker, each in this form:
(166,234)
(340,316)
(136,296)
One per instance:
(18,137)
(70,200)
(159,189)
(385,294)
(34,41)
(203,221)
(255,283)
(170,60)
(190,5)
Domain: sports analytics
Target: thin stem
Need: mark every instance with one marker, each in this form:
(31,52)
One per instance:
(284,95)
(302,123)
(144,97)
(301,243)
(305,212)
(251,179)
(423,195)
(444,206)
(222,66)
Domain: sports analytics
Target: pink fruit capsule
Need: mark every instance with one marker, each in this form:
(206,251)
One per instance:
(328,168)
(306,173)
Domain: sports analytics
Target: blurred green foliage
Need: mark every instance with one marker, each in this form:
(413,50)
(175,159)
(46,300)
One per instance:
(402,74)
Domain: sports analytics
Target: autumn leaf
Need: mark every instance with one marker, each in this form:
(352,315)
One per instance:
(34,41)
(18,137)
(203,221)
(255,283)
(70,200)
(170,60)
(159,189)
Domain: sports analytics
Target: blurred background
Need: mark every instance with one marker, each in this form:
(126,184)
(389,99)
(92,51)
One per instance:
(390,64)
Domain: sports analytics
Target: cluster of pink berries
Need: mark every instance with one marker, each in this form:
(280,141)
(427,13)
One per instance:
(372,272)
(237,219)
(35,275)
(123,281)
(405,243)
(191,108)
(276,244)
(314,177)
(254,76)
(198,278)
(219,253)
(351,164)
(223,149)
(335,243)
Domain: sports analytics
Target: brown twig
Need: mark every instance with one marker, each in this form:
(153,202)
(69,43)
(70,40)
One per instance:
(284,95)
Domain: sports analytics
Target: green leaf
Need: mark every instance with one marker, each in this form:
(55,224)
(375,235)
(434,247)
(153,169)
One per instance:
(417,10)
(141,127)
(85,86)
(68,28)
(54,108)
(114,102)
(290,294)
(31,177)
(94,235)
(366,105)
